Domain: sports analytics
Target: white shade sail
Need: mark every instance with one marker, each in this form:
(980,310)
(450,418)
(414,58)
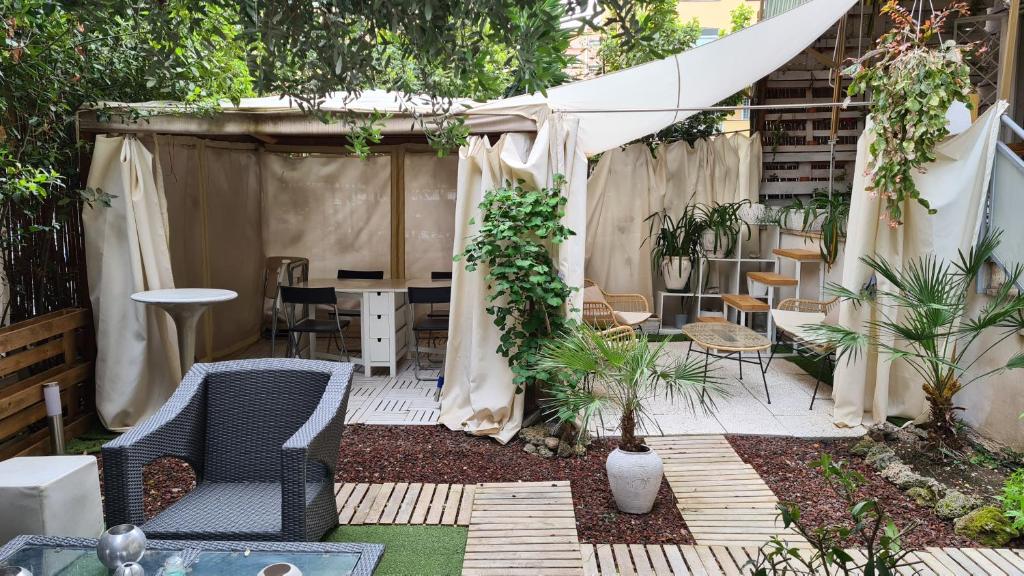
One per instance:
(697,78)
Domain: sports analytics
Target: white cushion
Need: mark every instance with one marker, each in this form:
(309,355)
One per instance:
(631,318)
(794,323)
(51,496)
(593,294)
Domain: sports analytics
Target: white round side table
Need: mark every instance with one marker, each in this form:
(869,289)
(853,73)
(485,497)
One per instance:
(185,306)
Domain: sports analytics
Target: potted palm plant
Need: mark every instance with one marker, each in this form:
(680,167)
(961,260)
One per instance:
(598,374)
(723,226)
(923,320)
(676,246)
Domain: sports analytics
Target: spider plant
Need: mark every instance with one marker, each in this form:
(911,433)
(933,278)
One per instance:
(724,223)
(831,213)
(678,238)
(921,319)
(622,375)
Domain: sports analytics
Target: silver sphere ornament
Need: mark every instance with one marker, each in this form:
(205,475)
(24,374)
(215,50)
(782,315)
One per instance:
(121,544)
(130,569)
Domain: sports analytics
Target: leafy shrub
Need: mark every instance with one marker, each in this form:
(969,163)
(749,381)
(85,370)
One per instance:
(869,527)
(1013,499)
(527,295)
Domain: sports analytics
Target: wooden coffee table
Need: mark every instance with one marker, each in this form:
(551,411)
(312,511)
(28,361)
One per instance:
(727,340)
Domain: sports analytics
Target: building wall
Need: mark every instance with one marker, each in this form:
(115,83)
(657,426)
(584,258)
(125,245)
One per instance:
(713,16)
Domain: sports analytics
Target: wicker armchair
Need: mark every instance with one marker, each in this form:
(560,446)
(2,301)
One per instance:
(791,318)
(619,334)
(263,439)
(604,310)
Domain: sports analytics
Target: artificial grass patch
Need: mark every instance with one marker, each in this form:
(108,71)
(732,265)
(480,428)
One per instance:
(812,366)
(90,442)
(434,550)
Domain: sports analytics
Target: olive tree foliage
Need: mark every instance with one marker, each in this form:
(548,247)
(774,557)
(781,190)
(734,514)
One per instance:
(640,31)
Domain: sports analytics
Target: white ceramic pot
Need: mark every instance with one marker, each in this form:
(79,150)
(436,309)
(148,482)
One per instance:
(676,277)
(634,478)
(281,569)
(708,241)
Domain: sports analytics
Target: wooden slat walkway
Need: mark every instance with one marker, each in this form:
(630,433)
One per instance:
(722,499)
(671,560)
(404,503)
(523,529)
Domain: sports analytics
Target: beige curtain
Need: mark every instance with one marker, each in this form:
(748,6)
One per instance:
(621,193)
(213,203)
(478,396)
(334,210)
(629,184)
(430,191)
(126,246)
(872,388)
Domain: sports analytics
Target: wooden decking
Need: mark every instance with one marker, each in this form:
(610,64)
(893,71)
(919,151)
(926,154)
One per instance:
(722,499)
(404,503)
(523,529)
(670,560)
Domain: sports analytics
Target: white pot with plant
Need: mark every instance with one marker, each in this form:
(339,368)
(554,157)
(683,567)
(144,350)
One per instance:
(722,227)
(598,374)
(675,246)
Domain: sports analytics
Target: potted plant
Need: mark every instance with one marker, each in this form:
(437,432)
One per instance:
(675,246)
(923,321)
(597,374)
(822,213)
(723,226)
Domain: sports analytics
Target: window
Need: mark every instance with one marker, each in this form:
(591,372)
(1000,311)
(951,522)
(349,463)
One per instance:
(707,35)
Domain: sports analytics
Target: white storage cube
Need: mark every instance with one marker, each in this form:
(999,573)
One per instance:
(50,496)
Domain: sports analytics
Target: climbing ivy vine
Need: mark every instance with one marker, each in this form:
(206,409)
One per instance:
(518,228)
(912,81)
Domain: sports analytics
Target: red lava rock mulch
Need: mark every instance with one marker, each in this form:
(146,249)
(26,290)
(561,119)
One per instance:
(165,480)
(437,455)
(783,464)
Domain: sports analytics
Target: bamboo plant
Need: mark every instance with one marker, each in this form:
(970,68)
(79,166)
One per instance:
(922,320)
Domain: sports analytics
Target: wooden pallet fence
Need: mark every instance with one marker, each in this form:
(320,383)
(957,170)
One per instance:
(404,503)
(54,347)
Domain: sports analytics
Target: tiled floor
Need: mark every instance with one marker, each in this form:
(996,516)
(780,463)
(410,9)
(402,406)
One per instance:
(746,409)
(403,400)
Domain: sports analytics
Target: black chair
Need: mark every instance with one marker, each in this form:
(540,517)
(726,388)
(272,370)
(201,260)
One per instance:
(429,326)
(434,311)
(293,296)
(357,275)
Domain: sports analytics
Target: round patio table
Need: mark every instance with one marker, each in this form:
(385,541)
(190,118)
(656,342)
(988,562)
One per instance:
(185,306)
(731,339)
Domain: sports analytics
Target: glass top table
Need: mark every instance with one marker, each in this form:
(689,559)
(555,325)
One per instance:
(727,340)
(55,556)
(726,337)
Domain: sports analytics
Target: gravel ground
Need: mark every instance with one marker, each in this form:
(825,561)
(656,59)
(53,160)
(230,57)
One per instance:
(436,454)
(783,464)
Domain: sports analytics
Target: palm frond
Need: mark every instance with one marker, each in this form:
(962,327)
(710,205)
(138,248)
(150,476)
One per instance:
(848,343)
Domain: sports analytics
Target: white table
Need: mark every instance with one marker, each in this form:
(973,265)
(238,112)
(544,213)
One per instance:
(385,321)
(185,306)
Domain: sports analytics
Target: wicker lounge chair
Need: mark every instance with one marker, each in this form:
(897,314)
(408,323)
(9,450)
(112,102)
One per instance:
(263,439)
(791,318)
(604,310)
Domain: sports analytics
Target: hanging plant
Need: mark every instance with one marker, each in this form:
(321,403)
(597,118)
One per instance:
(913,81)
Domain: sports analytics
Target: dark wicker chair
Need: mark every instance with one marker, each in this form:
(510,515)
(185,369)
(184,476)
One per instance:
(263,439)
